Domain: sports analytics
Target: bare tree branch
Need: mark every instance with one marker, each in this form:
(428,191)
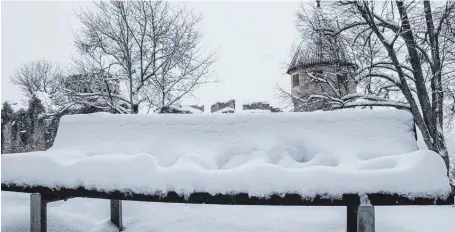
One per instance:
(37,76)
(155,48)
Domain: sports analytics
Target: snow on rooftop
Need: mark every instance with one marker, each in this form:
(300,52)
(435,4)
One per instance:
(330,153)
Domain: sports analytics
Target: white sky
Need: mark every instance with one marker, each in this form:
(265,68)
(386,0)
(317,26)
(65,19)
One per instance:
(252,39)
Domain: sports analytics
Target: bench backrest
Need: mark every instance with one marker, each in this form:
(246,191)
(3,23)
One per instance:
(342,135)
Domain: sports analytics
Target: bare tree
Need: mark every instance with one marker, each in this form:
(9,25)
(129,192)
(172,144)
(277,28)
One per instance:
(151,48)
(37,76)
(405,58)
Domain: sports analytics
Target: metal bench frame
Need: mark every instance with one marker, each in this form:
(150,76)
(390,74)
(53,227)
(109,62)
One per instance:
(355,221)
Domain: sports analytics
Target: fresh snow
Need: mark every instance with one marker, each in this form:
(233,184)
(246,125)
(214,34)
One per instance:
(191,109)
(185,108)
(226,110)
(327,153)
(92,215)
(256,111)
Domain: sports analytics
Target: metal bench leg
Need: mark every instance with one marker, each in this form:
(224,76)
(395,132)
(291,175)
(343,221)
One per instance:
(116,213)
(38,213)
(366,218)
(351,218)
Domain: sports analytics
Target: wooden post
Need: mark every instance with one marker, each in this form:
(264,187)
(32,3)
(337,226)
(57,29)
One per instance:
(351,217)
(38,213)
(116,213)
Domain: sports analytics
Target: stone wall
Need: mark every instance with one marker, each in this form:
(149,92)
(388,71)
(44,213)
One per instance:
(201,108)
(260,106)
(308,87)
(221,105)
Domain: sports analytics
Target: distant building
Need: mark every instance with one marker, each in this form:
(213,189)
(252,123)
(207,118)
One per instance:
(326,59)
(303,85)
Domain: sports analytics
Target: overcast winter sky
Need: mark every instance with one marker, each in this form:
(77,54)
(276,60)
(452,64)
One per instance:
(252,39)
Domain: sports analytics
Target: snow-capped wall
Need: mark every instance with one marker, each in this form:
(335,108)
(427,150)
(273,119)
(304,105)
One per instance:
(265,106)
(228,107)
(261,154)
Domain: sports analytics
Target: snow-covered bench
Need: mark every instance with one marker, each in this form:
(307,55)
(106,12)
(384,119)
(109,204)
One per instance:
(319,159)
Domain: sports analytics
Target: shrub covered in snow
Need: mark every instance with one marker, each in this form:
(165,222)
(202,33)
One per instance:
(33,127)
(25,129)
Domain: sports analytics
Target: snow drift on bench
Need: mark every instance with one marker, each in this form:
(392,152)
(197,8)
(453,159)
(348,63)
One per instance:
(320,153)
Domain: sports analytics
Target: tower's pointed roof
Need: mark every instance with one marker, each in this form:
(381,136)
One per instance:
(311,56)
(319,50)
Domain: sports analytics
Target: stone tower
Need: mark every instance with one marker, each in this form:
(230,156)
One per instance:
(320,67)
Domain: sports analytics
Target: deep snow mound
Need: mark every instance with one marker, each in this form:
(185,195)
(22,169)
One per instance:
(328,153)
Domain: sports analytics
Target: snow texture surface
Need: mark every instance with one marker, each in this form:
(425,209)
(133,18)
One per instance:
(327,153)
(254,111)
(225,110)
(191,109)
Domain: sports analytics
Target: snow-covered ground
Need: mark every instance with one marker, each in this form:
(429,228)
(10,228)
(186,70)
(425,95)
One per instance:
(91,215)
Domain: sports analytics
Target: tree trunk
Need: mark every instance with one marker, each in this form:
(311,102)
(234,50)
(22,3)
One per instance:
(441,148)
(436,88)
